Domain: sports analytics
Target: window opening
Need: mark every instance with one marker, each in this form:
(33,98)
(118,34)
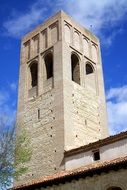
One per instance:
(38,113)
(75,69)
(89,69)
(96,155)
(49,65)
(34,75)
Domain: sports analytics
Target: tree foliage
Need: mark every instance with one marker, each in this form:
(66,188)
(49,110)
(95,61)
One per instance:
(15,151)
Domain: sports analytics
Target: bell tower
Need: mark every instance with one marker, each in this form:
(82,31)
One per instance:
(61,98)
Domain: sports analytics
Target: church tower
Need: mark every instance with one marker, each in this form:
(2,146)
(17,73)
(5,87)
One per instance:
(61,100)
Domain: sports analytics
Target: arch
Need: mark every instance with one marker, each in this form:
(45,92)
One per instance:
(86,47)
(34,74)
(90,78)
(115,184)
(76,40)
(48,62)
(89,69)
(54,33)
(114,188)
(75,68)
(67,34)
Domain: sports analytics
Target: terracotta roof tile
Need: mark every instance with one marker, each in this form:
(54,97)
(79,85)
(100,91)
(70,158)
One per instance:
(95,168)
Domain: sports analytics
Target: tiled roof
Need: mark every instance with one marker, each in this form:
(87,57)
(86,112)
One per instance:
(97,144)
(89,170)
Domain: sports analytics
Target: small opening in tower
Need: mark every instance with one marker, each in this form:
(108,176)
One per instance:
(75,68)
(38,113)
(34,74)
(96,155)
(89,69)
(49,65)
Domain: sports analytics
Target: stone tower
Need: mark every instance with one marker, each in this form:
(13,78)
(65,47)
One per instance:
(61,98)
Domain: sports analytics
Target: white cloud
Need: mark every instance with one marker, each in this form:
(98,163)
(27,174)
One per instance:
(4,96)
(13,86)
(120,94)
(103,15)
(117,109)
(20,23)
(7,109)
(7,115)
(111,37)
(97,13)
(100,14)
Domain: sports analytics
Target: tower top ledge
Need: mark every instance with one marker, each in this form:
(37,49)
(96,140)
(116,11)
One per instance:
(60,14)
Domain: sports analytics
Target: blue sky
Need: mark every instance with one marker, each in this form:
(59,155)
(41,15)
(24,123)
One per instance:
(109,22)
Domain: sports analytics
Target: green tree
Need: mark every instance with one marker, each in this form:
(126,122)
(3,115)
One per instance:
(15,151)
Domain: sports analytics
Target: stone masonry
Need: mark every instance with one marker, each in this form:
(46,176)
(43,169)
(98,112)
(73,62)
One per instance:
(61,99)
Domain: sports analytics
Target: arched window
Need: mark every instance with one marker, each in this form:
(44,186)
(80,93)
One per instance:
(48,59)
(89,69)
(34,74)
(75,68)
(90,78)
(114,188)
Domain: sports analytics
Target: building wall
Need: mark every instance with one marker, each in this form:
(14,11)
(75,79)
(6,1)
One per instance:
(41,113)
(107,152)
(98,182)
(71,115)
(114,150)
(84,105)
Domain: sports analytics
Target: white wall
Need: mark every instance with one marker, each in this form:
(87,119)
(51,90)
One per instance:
(107,152)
